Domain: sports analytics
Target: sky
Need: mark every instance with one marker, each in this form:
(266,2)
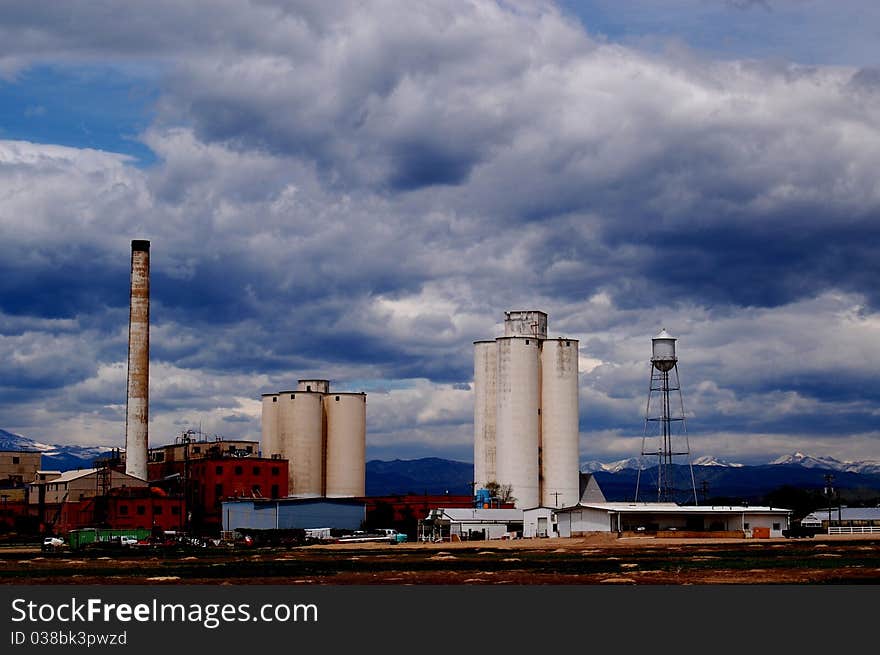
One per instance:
(358,191)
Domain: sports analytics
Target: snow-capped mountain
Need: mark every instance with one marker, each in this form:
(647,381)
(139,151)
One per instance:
(827,462)
(55,457)
(709,460)
(633,463)
(611,467)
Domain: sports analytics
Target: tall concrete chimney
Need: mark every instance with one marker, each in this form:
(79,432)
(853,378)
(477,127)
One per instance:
(138,396)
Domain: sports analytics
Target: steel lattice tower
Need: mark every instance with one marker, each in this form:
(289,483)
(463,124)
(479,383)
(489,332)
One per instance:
(665,425)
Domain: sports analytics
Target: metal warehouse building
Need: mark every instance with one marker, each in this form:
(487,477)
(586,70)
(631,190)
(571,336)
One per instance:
(288,513)
(687,520)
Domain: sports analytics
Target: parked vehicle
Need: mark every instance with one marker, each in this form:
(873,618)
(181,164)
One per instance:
(52,543)
(798,531)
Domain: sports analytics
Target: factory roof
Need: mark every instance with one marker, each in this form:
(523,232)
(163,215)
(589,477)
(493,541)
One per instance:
(294,500)
(846,514)
(69,476)
(673,508)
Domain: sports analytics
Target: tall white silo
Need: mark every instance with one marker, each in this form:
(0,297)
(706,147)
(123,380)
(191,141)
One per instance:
(518,396)
(346,444)
(485,376)
(560,452)
(318,386)
(300,432)
(269,425)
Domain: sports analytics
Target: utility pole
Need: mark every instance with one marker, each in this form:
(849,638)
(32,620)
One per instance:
(556,495)
(829,491)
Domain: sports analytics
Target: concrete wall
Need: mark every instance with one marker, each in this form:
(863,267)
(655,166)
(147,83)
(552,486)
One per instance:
(767,521)
(537,521)
(587,520)
(491,530)
(19,466)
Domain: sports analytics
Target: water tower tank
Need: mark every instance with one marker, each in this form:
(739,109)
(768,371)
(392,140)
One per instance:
(663,351)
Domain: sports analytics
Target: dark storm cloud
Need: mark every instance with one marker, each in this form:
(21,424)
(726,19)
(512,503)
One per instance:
(358,192)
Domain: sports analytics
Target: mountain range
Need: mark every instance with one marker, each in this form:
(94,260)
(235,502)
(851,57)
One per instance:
(825,463)
(433,475)
(55,457)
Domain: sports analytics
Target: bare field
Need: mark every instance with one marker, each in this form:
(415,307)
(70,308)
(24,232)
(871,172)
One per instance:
(598,559)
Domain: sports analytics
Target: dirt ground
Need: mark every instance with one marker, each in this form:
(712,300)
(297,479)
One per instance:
(597,559)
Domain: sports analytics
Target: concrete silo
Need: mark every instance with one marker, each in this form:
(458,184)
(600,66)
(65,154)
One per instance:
(345,462)
(517,421)
(485,376)
(269,422)
(560,450)
(300,435)
(533,433)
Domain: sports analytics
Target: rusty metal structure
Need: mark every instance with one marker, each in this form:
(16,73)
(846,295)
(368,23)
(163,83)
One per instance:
(138,388)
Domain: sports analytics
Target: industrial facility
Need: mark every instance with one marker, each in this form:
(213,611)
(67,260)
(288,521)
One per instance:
(526,412)
(308,471)
(321,434)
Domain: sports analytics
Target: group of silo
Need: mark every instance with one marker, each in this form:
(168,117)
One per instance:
(526,413)
(321,434)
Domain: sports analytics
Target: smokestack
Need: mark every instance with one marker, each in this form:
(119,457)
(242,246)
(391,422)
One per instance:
(138,396)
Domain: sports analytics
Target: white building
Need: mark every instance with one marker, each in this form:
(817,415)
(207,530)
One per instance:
(657,518)
(470,524)
(539,522)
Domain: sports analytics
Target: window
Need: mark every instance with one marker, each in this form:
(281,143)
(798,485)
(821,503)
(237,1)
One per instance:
(274,470)
(776,526)
(256,470)
(175,510)
(292,396)
(238,470)
(274,491)
(568,343)
(123,510)
(249,449)
(745,526)
(337,398)
(218,470)
(527,342)
(308,387)
(197,450)
(218,490)
(157,510)
(274,399)
(141,510)
(16,460)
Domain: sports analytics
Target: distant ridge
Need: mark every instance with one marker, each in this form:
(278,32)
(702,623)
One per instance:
(55,457)
(434,475)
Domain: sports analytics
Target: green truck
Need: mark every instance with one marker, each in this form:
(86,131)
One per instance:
(83,537)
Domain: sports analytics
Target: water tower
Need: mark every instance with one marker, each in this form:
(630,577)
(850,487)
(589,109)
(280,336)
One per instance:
(665,436)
